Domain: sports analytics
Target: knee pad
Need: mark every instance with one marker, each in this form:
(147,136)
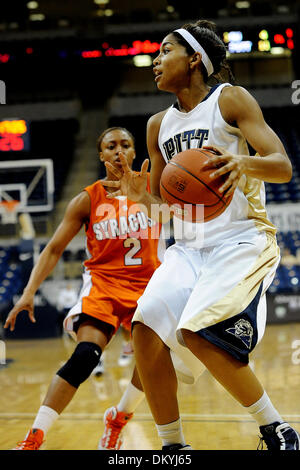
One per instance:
(80,365)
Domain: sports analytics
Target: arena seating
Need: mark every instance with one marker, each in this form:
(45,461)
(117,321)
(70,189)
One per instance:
(10,274)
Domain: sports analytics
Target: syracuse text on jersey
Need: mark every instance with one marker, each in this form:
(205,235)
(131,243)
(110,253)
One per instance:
(126,220)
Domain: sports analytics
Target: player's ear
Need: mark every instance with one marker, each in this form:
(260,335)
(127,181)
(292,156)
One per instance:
(195,60)
(101,157)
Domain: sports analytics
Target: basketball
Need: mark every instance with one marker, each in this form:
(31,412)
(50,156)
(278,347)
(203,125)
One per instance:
(187,186)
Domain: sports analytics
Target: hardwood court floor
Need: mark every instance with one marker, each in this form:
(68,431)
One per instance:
(212,420)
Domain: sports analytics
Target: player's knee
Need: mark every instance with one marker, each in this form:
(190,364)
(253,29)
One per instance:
(80,365)
(147,344)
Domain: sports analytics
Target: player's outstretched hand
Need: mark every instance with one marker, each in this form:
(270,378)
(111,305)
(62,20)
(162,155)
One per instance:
(24,303)
(130,183)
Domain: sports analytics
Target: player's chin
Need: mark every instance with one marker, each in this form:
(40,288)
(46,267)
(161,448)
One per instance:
(163,87)
(167,87)
(160,83)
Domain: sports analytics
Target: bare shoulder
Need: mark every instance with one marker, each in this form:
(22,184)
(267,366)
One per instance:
(82,198)
(155,120)
(153,127)
(235,101)
(234,95)
(80,206)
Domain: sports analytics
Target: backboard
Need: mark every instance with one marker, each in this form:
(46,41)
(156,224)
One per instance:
(31,182)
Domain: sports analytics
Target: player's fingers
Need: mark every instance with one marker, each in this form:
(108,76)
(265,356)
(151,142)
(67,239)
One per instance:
(7,323)
(214,148)
(145,166)
(211,163)
(111,184)
(115,171)
(222,171)
(31,315)
(230,184)
(10,322)
(114,194)
(231,188)
(11,318)
(124,163)
(215,162)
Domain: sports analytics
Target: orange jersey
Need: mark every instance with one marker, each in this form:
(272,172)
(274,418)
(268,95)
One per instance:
(121,241)
(122,244)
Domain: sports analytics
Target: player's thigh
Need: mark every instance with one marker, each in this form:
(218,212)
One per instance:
(95,331)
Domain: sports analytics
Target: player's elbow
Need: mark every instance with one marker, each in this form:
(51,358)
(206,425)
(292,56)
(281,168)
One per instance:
(287,171)
(53,250)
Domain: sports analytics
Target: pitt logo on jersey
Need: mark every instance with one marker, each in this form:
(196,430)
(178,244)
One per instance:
(184,141)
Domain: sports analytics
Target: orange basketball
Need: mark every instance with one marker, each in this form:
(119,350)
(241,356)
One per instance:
(187,186)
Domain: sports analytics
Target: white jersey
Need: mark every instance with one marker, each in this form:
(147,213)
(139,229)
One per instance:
(204,125)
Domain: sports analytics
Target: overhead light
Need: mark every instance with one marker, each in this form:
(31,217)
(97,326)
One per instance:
(242,4)
(32,5)
(37,17)
(101,2)
(238,47)
(235,36)
(277,50)
(225,36)
(108,12)
(264,35)
(142,60)
(264,45)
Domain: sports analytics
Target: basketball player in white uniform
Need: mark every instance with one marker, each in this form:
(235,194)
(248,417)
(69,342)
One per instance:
(207,300)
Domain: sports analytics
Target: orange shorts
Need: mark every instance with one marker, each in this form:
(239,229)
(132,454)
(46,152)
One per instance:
(110,300)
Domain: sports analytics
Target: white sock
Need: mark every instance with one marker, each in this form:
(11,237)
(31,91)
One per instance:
(131,399)
(171,433)
(264,412)
(45,418)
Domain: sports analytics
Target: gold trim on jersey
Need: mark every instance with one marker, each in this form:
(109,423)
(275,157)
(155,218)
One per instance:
(241,295)
(137,317)
(254,192)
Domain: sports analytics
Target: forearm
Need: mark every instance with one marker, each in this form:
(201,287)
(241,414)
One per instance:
(273,168)
(44,266)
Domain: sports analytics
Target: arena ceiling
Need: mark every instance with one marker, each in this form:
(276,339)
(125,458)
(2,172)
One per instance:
(75,11)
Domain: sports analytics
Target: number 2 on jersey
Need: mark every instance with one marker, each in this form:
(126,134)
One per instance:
(135,245)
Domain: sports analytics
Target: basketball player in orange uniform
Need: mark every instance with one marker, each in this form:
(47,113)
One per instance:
(122,247)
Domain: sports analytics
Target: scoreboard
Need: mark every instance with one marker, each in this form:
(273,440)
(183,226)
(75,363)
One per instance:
(14,135)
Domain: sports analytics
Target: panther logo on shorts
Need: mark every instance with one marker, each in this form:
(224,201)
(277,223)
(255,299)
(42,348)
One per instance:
(243,331)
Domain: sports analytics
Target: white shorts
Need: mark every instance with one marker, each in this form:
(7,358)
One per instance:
(218,292)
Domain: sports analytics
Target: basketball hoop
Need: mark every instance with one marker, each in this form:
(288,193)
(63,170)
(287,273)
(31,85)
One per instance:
(8,211)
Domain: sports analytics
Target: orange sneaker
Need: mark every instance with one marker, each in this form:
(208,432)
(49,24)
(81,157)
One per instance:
(114,422)
(32,441)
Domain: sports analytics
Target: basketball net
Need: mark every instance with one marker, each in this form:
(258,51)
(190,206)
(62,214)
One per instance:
(8,211)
